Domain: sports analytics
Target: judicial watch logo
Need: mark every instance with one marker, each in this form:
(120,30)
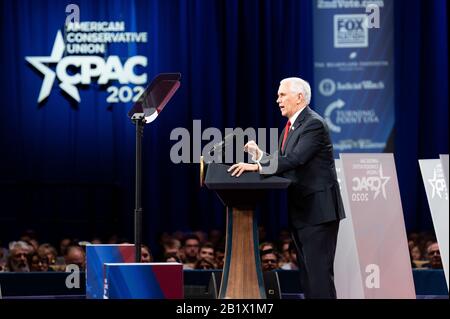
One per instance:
(328,87)
(78,58)
(438,187)
(371,180)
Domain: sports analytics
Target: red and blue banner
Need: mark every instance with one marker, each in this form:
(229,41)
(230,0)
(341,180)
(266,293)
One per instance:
(144,281)
(96,257)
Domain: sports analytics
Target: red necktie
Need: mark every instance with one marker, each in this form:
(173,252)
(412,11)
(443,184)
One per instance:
(286,132)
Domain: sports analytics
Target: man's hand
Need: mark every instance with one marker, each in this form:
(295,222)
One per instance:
(252,148)
(239,168)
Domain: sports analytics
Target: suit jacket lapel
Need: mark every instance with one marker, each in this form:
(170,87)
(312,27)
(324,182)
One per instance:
(297,124)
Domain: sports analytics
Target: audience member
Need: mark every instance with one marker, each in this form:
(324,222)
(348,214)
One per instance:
(146,256)
(191,249)
(292,264)
(172,258)
(75,256)
(434,257)
(17,259)
(38,263)
(220,255)
(47,250)
(285,257)
(206,251)
(205,263)
(269,260)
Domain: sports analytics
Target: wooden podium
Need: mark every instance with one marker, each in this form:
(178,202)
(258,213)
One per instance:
(242,275)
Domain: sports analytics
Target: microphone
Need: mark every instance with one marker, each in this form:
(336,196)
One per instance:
(226,140)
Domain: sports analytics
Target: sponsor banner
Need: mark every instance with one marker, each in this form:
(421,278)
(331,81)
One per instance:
(435,186)
(347,272)
(374,205)
(354,73)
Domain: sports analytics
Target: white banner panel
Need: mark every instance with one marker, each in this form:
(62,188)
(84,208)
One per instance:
(347,272)
(434,182)
(379,227)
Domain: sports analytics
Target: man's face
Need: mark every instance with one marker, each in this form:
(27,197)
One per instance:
(191,248)
(434,255)
(19,260)
(269,262)
(206,252)
(76,257)
(288,102)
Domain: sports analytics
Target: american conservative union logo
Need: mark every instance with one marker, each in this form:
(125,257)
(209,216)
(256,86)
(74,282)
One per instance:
(78,58)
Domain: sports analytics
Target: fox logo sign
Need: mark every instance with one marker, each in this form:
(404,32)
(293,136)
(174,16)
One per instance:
(351,31)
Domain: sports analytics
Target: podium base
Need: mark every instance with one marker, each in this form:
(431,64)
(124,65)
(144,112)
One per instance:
(242,276)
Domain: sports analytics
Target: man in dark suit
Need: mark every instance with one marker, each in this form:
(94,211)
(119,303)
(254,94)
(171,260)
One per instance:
(305,156)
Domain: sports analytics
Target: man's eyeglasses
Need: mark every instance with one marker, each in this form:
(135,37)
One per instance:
(435,252)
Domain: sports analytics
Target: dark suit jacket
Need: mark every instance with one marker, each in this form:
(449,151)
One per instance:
(307,160)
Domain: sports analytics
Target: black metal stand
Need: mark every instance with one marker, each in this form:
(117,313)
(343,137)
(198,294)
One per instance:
(138,199)
(146,109)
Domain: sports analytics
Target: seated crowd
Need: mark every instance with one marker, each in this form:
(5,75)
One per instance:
(424,251)
(196,250)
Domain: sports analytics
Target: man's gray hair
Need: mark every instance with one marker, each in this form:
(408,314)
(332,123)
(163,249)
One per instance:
(297,85)
(18,245)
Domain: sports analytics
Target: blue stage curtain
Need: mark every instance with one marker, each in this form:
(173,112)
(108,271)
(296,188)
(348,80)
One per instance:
(68,169)
(421,100)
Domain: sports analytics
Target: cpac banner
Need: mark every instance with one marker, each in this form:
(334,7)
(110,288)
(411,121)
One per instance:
(375,209)
(354,72)
(437,194)
(347,270)
(79,58)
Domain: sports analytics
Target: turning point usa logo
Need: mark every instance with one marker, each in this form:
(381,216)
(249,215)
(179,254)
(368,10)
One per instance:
(79,58)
